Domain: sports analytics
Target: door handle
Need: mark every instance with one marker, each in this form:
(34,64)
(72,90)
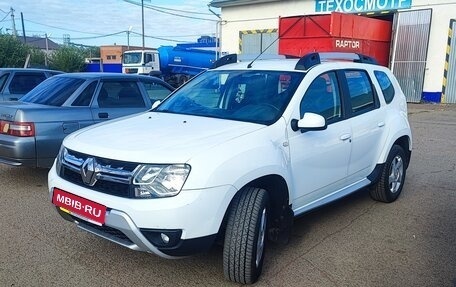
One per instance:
(345,137)
(103,115)
(381,124)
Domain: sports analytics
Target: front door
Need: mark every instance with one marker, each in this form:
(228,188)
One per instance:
(117,98)
(319,159)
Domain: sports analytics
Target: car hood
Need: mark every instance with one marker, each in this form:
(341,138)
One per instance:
(156,137)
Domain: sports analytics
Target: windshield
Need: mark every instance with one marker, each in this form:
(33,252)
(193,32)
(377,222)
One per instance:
(250,96)
(53,91)
(132,58)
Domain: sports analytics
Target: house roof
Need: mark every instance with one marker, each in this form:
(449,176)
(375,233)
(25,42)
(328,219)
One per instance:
(226,3)
(39,42)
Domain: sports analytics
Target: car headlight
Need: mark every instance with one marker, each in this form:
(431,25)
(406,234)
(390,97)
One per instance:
(58,160)
(151,180)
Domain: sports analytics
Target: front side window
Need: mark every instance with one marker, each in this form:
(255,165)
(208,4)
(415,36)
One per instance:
(23,83)
(54,91)
(323,98)
(385,85)
(360,91)
(251,96)
(120,94)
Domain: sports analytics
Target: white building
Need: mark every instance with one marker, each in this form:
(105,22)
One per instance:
(423,42)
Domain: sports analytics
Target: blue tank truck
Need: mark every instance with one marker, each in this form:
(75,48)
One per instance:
(174,64)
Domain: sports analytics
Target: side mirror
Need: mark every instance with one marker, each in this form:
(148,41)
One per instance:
(155,104)
(309,122)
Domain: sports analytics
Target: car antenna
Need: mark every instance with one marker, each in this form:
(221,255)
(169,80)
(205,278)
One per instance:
(278,37)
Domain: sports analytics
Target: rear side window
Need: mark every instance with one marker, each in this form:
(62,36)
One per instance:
(54,91)
(84,99)
(23,83)
(385,85)
(121,94)
(156,91)
(360,90)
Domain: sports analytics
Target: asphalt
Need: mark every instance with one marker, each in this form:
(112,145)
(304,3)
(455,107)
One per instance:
(353,242)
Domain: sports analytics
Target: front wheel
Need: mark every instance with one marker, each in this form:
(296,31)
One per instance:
(245,236)
(392,178)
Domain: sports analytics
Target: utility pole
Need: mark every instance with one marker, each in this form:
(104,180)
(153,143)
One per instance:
(23,28)
(14,23)
(128,37)
(47,51)
(218,33)
(142,11)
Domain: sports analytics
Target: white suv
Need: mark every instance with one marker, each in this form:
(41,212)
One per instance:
(235,154)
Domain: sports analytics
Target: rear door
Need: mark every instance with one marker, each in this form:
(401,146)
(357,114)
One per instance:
(118,97)
(55,123)
(366,121)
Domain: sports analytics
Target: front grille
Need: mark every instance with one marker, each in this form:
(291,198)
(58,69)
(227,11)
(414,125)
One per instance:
(131,71)
(112,177)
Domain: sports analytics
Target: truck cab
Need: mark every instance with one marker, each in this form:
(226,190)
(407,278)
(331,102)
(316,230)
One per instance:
(143,62)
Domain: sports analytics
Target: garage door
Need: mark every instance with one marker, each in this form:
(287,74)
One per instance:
(410,46)
(449,92)
(253,42)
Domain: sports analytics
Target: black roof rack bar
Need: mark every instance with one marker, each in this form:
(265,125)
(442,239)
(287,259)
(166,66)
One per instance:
(312,59)
(225,60)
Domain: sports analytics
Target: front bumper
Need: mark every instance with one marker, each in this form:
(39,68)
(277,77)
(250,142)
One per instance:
(195,215)
(17,151)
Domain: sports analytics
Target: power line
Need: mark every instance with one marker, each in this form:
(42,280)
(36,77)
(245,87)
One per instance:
(3,11)
(7,14)
(158,38)
(170,13)
(60,28)
(170,9)
(97,37)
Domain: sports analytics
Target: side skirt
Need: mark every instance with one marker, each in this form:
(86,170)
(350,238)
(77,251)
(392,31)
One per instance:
(333,196)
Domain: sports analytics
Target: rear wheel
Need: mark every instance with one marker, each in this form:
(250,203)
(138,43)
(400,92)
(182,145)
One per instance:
(392,178)
(245,236)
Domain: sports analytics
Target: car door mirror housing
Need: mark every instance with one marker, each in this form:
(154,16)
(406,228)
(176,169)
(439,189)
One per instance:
(309,122)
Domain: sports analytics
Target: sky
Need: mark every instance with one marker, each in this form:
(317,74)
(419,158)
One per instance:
(92,22)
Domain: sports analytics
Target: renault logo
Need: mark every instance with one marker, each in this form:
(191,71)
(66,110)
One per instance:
(89,171)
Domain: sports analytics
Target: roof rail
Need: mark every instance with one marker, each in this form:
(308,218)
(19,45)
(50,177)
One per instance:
(233,58)
(312,59)
(225,60)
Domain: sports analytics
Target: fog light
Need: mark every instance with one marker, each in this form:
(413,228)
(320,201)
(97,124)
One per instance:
(165,238)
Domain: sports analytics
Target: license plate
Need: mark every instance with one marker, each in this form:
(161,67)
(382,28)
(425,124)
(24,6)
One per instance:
(79,206)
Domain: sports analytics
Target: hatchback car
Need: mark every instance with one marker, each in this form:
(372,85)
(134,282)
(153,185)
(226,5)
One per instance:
(16,82)
(32,129)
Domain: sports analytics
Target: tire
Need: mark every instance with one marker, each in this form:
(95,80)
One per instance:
(392,178)
(245,236)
